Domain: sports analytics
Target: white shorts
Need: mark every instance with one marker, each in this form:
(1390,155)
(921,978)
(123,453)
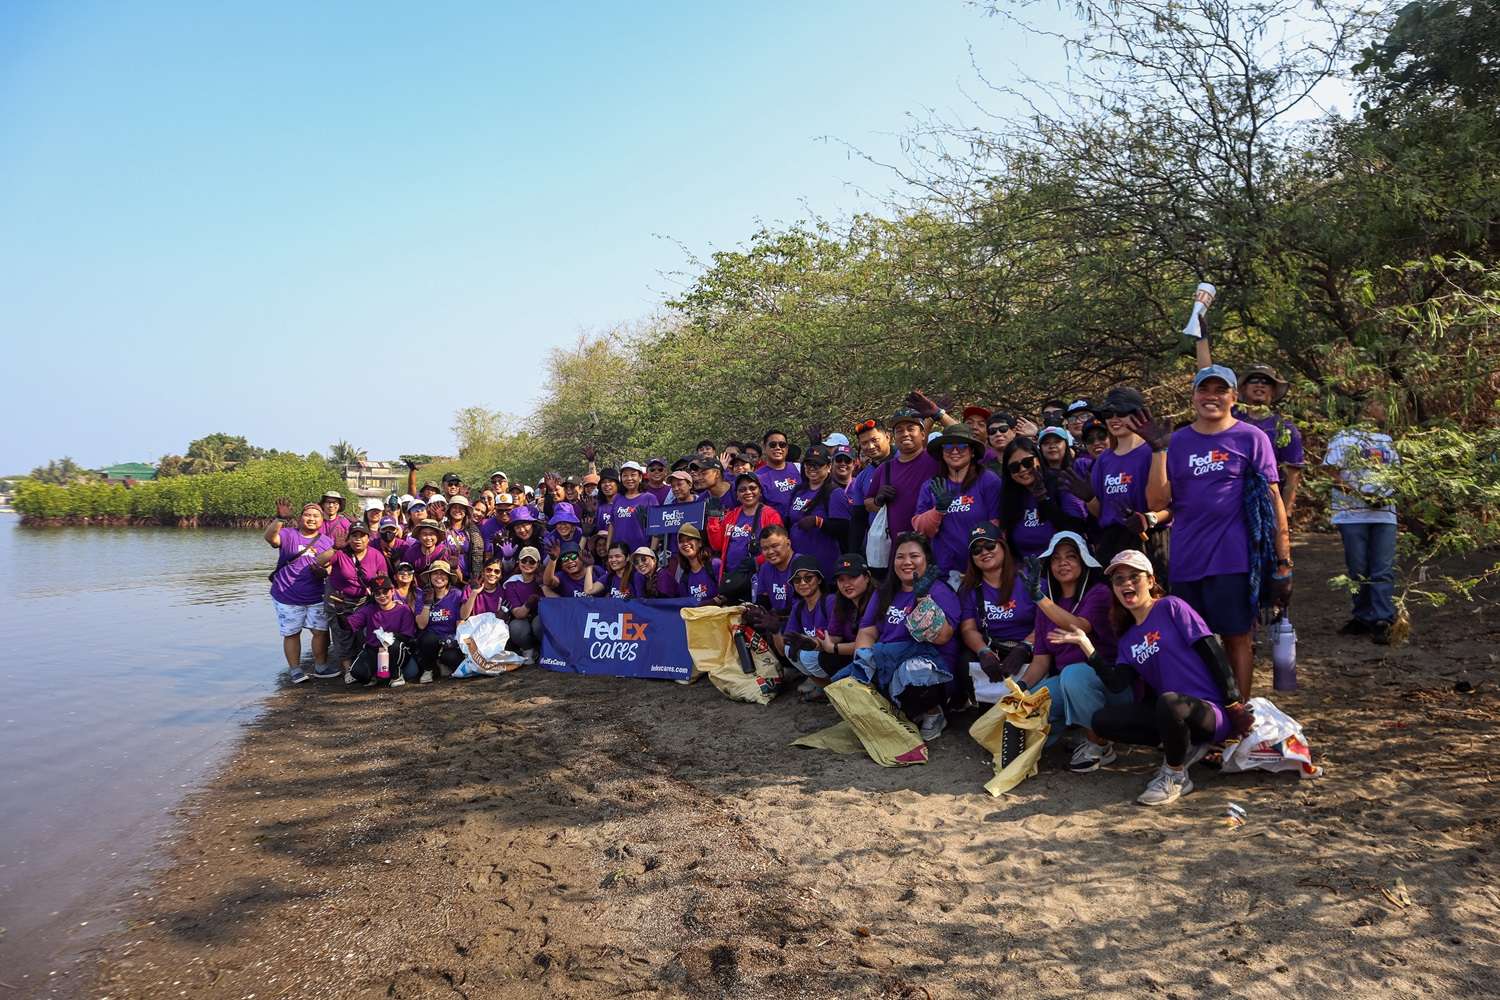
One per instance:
(293,618)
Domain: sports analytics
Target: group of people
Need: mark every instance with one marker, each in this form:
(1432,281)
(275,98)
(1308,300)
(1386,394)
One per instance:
(924,552)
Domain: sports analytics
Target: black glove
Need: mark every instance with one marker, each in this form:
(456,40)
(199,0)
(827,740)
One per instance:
(990,663)
(798,640)
(1156,433)
(919,401)
(941,495)
(1135,521)
(1017,660)
(756,617)
(808,522)
(885,494)
(1031,576)
(924,583)
(1079,484)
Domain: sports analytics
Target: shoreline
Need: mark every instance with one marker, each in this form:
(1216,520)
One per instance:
(554,835)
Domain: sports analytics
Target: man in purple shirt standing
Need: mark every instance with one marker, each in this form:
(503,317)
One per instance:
(899,480)
(1201,473)
(297,587)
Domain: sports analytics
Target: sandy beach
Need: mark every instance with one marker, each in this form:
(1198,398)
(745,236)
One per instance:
(547,835)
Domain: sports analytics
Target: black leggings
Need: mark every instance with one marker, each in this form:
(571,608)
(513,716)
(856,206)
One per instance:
(403,661)
(525,635)
(433,649)
(1173,723)
(917,701)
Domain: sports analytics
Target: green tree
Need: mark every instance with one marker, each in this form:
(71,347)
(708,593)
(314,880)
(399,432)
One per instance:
(60,472)
(221,449)
(342,453)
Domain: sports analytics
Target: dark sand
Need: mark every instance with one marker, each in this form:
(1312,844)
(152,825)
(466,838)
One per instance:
(547,835)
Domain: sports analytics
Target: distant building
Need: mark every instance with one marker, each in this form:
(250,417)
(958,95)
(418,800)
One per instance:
(375,479)
(135,471)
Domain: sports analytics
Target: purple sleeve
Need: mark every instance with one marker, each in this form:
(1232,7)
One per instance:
(359,618)
(1262,455)
(1293,454)
(948,601)
(872,610)
(924,498)
(1042,628)
(1095,608)
(838,505)
(968,601)
(1072,505)
(1187,620)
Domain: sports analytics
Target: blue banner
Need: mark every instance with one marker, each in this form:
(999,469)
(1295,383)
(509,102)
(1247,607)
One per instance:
(620,638)
(668,519)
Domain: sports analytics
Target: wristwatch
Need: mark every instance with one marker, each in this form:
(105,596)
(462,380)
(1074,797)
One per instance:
(1284,562)
(1150,519)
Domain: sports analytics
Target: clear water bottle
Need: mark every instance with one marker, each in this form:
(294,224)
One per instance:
(1284,654)
(383,664)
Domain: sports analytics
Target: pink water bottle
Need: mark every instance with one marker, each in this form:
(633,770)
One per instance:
(383,663)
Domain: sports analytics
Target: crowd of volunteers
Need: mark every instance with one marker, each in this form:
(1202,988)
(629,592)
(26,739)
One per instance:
(1047,547)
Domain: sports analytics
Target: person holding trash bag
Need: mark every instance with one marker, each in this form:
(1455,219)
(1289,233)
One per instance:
(908,639)
(383,613)
(1191,698)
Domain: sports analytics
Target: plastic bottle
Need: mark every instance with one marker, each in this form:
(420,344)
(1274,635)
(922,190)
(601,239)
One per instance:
(1284,654)
(383,663)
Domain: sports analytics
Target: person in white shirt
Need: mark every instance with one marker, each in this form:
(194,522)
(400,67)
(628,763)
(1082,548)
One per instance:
(1362,511)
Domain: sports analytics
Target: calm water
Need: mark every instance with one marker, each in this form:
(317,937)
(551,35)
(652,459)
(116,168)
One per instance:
(133,658)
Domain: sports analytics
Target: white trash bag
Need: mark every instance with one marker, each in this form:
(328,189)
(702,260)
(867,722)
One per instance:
(482,639)
(1274,743)
(878,541)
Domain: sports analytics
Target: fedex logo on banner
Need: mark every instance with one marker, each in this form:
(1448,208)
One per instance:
(1147,647)
(672,518)
(1118,483)
(614,638)
(1213,460)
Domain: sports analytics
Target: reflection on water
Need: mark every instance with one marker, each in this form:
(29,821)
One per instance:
(132,658)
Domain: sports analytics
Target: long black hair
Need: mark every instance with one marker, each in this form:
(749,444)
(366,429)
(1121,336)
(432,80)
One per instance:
(891,586)
(1013,495)
(851,613)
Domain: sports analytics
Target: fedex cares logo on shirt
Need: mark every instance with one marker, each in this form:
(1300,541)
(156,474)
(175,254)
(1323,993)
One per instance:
(1118,483)
(801,503)
(895,615)
(615,638)
(740,529)
(1032,519)
(626,511)
(778,593)
(785,485)
(961,505)
(1000,612)
(698,591)
(1212,460)
(439,614)
(1148,647)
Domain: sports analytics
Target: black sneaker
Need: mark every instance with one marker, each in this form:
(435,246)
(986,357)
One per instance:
(1355,627)
(1381,633)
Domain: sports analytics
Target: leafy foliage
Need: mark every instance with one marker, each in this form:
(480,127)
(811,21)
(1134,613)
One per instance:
(59,471)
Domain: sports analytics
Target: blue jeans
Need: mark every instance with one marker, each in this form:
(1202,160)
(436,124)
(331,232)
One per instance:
(1077,693)
(1370,555)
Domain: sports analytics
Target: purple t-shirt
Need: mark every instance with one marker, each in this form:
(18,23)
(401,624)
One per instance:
(1031,533)
(343,577)
(970,506)
(1208,474)
(297,580)
(908,478)
(1285,438)
(1161,650)
(809,623)
(413,600)
(569,586)
(893,623)
(703,585)
(628,525)
(1094,608)
(660,492)
(1009,620)
(777,486)
(519,592)
(489,602)
(614,584)
(813,542)
(398,620)
(336,528)
(1120,483)
(774,585)
(443,615)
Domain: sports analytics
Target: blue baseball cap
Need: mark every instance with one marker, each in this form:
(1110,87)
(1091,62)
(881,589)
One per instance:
(1216,371)
(1052,431)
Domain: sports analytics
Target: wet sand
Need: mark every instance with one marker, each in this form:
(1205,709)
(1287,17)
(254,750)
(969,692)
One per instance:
(546,835)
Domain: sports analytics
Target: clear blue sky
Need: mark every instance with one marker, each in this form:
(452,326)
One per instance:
(200,206)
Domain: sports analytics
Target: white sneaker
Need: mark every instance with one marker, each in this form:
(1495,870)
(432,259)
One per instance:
(1090,756)
(931,725)
(1166,787)
(398,681)
(426,677)
(348,677)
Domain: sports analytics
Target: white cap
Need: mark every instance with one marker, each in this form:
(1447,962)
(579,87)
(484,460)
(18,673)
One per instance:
(637,466)
(372,504)
(835,439)
(405,499)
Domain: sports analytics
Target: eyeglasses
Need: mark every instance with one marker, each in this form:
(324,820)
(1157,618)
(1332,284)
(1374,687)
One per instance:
(805,578)
(1024,464)
(1120,579)
(495,570)
(865,425)
(984,547)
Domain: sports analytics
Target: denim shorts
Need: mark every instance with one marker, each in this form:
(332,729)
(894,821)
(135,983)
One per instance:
(1223,601)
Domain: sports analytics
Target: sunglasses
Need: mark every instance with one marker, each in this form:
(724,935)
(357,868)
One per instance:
(999,428)
(982,547)
(1120,579)
(566,557)
(955,447)
(528,559)
(865,425)
(1022,465)
(775,444)
(805,578)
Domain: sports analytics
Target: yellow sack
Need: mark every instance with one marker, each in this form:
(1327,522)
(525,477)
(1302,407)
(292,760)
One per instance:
(1026,711)
(710,639)
(871,724)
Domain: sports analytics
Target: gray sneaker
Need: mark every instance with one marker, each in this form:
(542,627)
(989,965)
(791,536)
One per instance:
(327,671)
(426,677)
(297,675)
(397,681)
(348,677)
(1090,756)
(1166,787)
(931,725)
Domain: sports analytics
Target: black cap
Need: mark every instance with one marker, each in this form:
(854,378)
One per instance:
(358,528)
(984,531)
(609,474)
(746,475)
(381,582)
(1122,400)
(567,547)
(818,454)
(851,564)
(404,565)
(706,464)
(452,477)
(804,564)
(1078,405)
